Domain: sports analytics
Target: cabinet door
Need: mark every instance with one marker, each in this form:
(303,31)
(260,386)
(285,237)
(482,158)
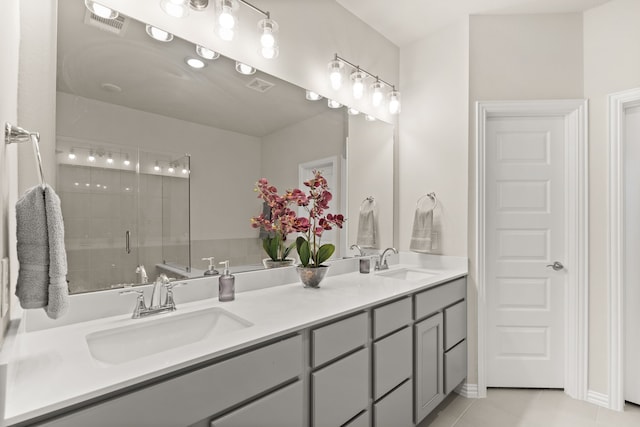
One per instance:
(429,367)
(341,390)
(282,408)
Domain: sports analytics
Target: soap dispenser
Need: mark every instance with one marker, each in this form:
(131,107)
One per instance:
(211,271)
(227,284)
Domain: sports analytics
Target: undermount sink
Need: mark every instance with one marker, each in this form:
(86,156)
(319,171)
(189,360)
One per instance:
(151,336)
(410,274)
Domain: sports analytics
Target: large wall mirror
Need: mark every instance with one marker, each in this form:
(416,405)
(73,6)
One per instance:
(176,152)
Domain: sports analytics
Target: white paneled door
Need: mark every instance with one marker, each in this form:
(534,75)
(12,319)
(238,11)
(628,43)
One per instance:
(526,251)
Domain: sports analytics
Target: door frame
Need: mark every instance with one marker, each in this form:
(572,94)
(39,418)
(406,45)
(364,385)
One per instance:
(618,103)
(575,116)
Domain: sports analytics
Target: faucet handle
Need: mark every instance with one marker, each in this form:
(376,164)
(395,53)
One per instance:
(140,304)
(170,303)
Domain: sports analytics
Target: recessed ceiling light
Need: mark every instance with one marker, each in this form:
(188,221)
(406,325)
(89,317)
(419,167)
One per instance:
(333,104)
(352,111)
(313,96)
(100,10)
(195,63)
(158,34)
(245,69)
(206,53)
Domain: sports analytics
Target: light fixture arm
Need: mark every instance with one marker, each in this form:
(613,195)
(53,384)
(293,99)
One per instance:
(358,68)
(257,9)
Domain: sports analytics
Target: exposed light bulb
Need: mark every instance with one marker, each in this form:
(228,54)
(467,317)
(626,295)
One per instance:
(171,169)
(357,77)
(335,73)
(376,95)
(175,8)
(100,10)
(245,69)
(72,155)
(226,20)
(205,53)
(313,96)
(269,45)
(158,34)
(394,102)
(185,171)
(333,104)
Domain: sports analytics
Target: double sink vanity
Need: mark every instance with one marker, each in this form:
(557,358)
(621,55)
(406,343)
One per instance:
(379,349)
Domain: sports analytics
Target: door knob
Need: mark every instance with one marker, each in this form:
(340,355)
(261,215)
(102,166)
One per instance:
(557,266)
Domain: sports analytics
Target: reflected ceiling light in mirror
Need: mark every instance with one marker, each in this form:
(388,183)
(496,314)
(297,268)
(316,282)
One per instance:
(376,93)
(333,104)
(158,34)
(335,73)
(195,63)
(109,159)
(72,155)
(268,28)
(313,96)
(357,83)
(91,158)
(352,111)
(394,101)
(245,69)
(126,161)
(185,171)
(205,53)
(100,10)
(171,169)
(175,8)
(157,167)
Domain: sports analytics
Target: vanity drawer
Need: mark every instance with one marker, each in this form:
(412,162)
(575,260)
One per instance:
(362,420)
(338,338)
(391,317)
(455,366)
(282,408)
(396,408)
(200,394)
(455,324)
(340,391)
(432,300)
(392,359)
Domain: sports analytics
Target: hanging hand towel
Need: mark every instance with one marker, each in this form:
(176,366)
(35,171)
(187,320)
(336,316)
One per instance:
(41,252)
(368,227)
(422,229)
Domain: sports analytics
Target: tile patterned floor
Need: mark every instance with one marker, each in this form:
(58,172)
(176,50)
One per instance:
(527,408)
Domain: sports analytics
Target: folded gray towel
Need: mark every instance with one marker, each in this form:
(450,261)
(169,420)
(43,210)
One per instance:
(40,245)
(367,237)
(422,230)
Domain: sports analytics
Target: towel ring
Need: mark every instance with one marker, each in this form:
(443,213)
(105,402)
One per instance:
(431,196)
(369,199)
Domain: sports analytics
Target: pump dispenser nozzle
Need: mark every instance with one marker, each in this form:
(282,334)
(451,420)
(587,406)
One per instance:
(211,271)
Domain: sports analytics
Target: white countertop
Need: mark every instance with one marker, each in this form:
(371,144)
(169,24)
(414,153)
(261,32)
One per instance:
(51,369)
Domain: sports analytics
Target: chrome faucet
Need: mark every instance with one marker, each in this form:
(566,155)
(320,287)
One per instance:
(143,274)
(155,306)
(381,263)
(361,252)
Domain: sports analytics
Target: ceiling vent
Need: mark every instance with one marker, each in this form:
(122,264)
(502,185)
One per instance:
(116,26)
(260,85)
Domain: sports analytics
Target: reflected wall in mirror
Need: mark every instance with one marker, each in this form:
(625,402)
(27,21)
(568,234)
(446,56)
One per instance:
(117,86)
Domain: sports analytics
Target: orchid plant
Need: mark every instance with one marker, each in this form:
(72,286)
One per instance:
(283,220)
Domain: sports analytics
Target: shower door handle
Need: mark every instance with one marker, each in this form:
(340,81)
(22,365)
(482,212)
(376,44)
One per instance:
(557,266)
(127,241)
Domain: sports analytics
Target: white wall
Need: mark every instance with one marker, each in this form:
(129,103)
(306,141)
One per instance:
(611,64)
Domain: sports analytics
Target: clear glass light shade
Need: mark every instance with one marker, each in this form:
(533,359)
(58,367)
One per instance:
(376,94)
(313,96)
(175,8)
(100,10)
(394,102)
(268,30)
(357,84)
(205,53)
(333,104)
(335,74)
(226,18)
(158,34)
(245,69)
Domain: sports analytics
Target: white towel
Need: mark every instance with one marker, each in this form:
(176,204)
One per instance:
(368,227)
(422,230)
(42,279)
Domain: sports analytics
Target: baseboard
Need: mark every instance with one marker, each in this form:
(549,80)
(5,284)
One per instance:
(599,399)
(469,391)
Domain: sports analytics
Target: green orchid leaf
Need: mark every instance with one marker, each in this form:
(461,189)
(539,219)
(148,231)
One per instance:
(304,251)
(287,250)
(324,252)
